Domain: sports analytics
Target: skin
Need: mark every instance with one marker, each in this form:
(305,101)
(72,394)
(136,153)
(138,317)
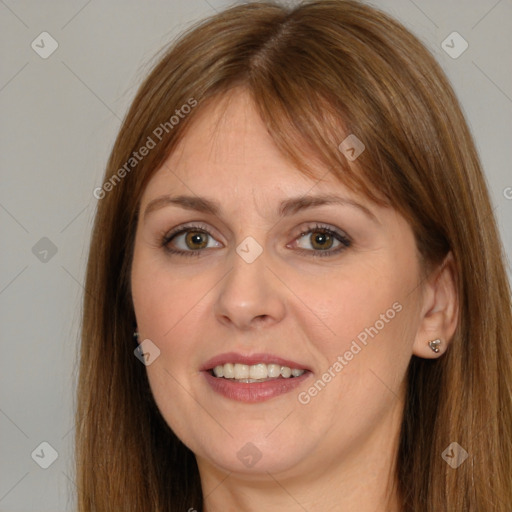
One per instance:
(336,452)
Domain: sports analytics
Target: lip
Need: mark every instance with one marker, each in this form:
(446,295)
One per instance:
(256,391)
(251,359)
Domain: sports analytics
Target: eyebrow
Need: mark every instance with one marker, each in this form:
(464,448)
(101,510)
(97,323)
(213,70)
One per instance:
(287,207)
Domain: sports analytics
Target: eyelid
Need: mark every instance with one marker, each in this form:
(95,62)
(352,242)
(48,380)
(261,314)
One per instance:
(189,226)
(325,227)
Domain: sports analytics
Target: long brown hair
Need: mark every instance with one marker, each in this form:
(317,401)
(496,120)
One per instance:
(316,72)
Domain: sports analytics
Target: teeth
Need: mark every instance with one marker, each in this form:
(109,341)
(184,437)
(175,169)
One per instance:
(274,370)
(258,371)
(229,371)
(286,372)
(255,372)
(241,371)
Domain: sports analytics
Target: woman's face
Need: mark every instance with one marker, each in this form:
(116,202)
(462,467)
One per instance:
(240,264)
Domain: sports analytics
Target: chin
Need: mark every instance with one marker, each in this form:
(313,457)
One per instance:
(254,456)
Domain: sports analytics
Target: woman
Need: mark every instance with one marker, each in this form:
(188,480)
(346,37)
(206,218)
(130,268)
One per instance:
(340,338)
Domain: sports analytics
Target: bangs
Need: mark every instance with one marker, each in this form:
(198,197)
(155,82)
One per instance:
(317,137)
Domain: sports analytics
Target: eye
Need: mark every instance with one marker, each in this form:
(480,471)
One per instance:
(189,240)
(323,241)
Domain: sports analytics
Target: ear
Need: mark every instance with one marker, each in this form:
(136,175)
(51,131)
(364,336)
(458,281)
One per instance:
(439,311)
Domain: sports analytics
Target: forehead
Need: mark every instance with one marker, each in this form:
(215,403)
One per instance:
(227,149)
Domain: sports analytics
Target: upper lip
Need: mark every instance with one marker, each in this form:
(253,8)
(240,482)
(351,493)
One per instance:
(250,359)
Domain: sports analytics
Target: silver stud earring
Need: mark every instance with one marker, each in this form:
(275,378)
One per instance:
(136,335)
(434,345)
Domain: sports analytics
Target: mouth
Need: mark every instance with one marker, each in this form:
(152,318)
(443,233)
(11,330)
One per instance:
(253,378)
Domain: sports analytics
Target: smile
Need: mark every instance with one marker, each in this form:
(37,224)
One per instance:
(260,372)
(253,378)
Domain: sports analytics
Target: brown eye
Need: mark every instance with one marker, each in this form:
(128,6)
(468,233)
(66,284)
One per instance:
(189,241)
(322,241)
(196,240)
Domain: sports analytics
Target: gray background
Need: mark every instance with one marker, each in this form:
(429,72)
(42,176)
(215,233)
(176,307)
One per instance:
(60,116)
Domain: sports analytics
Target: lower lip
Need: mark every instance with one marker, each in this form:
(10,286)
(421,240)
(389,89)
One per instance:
(255,391)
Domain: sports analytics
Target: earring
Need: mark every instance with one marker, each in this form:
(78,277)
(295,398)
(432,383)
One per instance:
(136,335)
(434,345)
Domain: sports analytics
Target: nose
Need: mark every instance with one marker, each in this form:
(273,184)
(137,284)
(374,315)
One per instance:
(250,296)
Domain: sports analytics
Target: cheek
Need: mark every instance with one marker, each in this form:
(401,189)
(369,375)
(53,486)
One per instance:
(364,362)
(168,308)
(365,337)
(163,296)
(360,301)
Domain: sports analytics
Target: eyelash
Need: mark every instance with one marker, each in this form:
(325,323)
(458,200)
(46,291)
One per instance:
(342,238)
